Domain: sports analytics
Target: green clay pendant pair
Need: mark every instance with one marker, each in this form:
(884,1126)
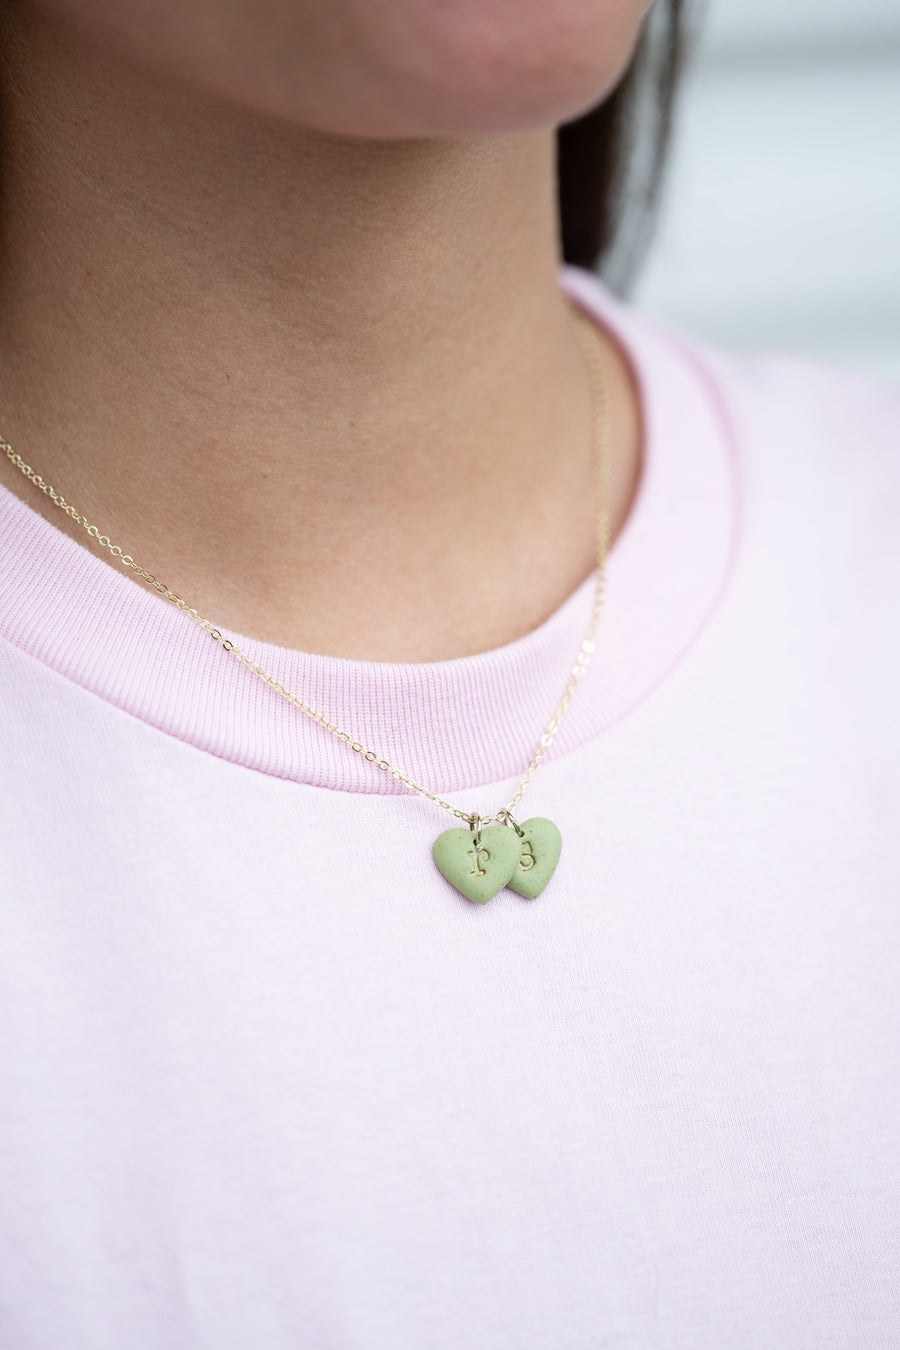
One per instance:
(480,862)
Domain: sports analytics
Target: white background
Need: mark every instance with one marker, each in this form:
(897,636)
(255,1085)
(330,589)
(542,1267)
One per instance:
(780,221)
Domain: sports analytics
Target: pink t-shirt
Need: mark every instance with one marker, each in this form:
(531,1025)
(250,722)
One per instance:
(267,1081)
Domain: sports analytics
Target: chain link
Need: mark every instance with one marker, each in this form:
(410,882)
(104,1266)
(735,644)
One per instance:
(588,340)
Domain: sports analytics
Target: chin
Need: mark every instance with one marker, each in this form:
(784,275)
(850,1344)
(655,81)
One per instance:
(481,67)
(485,66)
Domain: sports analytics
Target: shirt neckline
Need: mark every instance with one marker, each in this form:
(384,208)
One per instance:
(451,725)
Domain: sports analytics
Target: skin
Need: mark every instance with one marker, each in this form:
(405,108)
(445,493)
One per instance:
(280,309)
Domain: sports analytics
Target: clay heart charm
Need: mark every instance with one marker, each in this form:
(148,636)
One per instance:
(478,865)
(540,844)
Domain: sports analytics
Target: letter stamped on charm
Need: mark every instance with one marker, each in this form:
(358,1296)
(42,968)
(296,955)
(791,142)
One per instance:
(478,856)
(527,860)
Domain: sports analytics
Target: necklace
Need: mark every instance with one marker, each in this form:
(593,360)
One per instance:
(487,852)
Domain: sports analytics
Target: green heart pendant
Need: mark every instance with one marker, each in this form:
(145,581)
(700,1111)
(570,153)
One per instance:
(540,844)
(478,865)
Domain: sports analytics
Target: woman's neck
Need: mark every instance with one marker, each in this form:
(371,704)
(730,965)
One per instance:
(327,389)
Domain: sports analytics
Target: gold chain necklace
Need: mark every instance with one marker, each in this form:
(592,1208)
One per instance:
(494,851)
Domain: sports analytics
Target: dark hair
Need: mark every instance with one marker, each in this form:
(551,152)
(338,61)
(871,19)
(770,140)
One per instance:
(611,159)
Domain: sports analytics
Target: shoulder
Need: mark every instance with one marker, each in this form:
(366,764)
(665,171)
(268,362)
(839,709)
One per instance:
(818,447)
(815,431)
(771,398)
(807,402)
(815,453)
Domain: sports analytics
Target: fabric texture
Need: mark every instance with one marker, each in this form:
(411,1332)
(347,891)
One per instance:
(266,1080)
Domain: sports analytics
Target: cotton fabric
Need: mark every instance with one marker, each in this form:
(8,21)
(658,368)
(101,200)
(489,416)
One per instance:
(266,1080)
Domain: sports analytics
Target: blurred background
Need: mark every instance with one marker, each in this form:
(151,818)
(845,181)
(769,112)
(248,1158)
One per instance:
(780,217)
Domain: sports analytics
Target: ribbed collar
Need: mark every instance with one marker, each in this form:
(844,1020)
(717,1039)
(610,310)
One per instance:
(453,724)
